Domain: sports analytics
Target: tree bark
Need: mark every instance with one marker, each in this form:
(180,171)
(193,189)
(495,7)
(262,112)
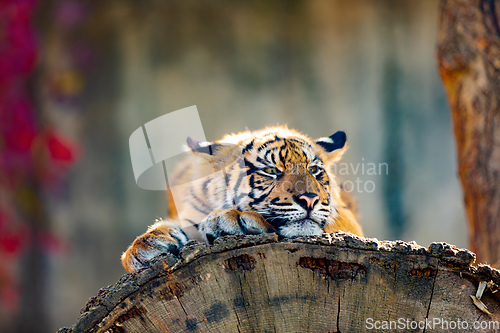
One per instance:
(469,64)
(329,283)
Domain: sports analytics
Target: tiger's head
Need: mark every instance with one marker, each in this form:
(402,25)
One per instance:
(281,174)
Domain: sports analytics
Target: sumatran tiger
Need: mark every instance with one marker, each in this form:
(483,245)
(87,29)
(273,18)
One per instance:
(272,180)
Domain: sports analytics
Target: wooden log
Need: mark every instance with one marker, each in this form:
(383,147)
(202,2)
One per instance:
(469,63)
(328,283)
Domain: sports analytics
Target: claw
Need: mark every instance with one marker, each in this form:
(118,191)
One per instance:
(477,299)
(480,289)
(161,237)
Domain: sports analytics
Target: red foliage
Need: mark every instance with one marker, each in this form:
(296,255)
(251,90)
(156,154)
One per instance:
(29,154)
(60,148)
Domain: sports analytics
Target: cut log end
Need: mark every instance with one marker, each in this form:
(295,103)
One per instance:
(329,283)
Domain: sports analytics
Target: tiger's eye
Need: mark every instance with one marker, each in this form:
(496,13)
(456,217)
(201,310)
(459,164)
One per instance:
(314,169)
(272,171)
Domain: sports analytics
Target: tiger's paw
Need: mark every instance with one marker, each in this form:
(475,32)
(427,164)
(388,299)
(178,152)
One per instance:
(161,237)
(233,222)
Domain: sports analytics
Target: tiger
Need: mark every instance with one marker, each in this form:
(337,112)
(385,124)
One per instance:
(273,180)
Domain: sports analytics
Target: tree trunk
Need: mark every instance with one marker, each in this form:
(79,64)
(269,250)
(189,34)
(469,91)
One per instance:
(329,283)
(469,63)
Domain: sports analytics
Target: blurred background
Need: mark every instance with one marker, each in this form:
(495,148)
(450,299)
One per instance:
(78,77)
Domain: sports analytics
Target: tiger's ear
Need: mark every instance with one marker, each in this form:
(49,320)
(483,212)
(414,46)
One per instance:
(334,145)
(202,148)
(220,154)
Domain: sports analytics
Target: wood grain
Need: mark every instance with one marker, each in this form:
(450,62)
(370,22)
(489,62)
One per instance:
(328,283)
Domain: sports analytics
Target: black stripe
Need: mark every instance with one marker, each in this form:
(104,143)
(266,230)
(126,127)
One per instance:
(179,241)
(250,166)
(248,147)
(206,149)
(240,224)
(261,148)
(283,155)
(299,142)
(204,204)
(275,220)
(205,209)
(192,222)
(251,181)
(319,175)
(170,247)
(199,209)
(227,173)
(139,260)
(272,159)
(275,202)
(204,186)
(297,146)
(226,181)
(257,200)
(303,153)
(260,160)
(275,139)
(238,182)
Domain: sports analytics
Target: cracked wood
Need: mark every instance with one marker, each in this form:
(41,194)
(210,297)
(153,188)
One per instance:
(332,283)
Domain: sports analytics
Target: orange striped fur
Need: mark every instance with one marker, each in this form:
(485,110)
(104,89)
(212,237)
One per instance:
(272,180)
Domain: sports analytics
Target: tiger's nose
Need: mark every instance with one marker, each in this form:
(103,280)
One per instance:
(307,200)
